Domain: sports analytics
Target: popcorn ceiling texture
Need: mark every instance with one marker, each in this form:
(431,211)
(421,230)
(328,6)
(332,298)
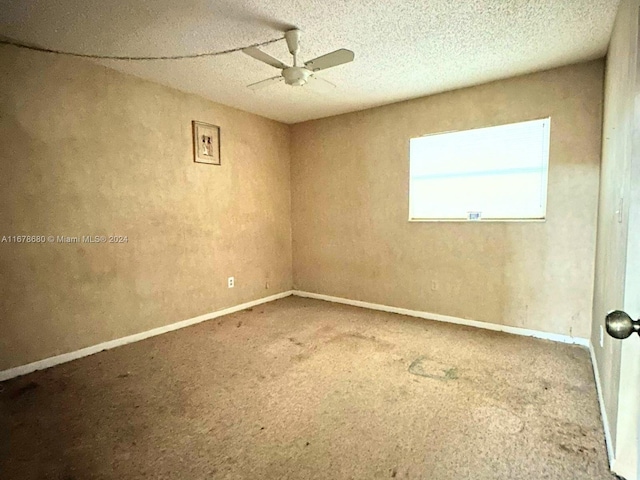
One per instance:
(404,49)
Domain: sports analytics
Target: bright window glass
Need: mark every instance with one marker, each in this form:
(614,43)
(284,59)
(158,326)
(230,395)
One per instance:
(495,173)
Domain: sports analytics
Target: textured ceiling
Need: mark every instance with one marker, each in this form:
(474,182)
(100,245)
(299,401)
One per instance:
(403,49)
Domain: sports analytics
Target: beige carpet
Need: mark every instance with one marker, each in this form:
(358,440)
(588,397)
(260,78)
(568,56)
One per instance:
(304,389)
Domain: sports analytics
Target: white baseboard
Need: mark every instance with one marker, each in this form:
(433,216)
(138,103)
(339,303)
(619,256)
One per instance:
(445,318)
(603,411)
(67,357)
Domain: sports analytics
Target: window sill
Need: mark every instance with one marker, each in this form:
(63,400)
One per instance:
(484,220)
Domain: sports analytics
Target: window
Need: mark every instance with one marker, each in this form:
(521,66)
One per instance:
(495,173)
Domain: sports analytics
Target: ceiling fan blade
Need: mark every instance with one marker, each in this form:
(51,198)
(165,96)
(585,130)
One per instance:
(329,60)
(264,83)
(264,57)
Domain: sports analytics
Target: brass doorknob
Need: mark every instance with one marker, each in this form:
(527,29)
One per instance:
(620,325)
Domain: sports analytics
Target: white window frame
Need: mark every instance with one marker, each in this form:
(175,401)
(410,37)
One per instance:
(546,123)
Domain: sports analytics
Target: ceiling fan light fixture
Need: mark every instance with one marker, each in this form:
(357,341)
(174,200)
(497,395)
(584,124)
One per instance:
(296,76)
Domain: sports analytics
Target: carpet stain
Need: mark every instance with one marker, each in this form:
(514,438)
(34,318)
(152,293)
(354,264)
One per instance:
(356,339)
(451,373)
(577,450)
(19,392)
(425,367)
(301,357)
(574,439)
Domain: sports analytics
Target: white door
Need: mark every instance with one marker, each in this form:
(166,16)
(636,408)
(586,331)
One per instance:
(627,451)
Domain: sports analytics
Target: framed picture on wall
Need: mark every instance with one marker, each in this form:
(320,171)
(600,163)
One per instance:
(206,143)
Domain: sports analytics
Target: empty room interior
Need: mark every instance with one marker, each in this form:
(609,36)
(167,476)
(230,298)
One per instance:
(319,240)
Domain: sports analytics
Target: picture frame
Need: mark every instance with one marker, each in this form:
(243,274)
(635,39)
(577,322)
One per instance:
(206,143)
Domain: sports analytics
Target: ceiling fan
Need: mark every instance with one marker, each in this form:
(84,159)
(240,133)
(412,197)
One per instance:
(297,75)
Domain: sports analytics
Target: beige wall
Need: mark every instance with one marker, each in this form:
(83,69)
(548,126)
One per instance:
(351,237)
(85,150)
(90,151)
(611,253)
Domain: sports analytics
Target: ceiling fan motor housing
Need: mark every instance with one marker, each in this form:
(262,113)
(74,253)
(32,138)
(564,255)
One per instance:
(296,76)
(293,41)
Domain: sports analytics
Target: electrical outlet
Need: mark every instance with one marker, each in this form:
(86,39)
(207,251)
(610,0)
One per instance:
(601,336)
(231,282)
